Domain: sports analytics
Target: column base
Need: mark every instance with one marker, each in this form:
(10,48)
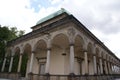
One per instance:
(30,73)
(72,74)
(95,74)
(47,74)
(86,74)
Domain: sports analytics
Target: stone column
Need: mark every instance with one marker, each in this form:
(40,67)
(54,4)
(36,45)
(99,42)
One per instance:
(95,66)
(3,66)
(106,69)
(119,69)
(71,58)
(101,67)
(109,69)
(11,62)
(31,61)
(86,62)
(48,61)
(112,66)
(20,62)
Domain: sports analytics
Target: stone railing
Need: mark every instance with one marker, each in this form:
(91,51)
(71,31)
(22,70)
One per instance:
(72,77)
(31,76)
(13,76)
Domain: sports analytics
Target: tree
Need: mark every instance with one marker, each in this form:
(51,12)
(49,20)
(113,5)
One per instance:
(7,34)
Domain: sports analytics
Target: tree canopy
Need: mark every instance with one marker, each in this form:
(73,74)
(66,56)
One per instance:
(7,34)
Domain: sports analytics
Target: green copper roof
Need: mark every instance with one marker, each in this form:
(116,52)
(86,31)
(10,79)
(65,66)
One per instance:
(52,15)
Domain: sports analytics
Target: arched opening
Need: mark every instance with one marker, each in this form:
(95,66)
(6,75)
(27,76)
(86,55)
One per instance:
(40,57)
(79,55)
(15,60)
(60,55)
(105,66)
(8,58)
(103,56)
(90,59)
(97,60)
(25,60)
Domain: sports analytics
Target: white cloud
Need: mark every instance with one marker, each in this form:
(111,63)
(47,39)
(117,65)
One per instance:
(15,13)
(111,41)
(55,1)
(100,16)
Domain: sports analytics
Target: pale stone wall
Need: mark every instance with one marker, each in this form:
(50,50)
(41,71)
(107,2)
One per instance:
(57,62)
(76,67)
(91,67)
(83,67)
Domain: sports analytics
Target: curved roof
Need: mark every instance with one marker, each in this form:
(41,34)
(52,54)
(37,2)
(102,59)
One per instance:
(52,16)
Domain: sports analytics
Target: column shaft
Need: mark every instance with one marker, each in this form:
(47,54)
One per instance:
(109,69)
(3,66)
(19,64)
(86,62)
(11,62)
(31,62)
(47,62)
(106,69)
(71,58)
(101,67)
(95,67)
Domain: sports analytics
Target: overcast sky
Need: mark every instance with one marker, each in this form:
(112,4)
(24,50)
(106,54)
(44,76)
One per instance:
(101,17)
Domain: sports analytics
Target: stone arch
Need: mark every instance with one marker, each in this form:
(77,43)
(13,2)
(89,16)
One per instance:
(9,52)
(90,49)
(57,34)
(103,56)
(40,43)
(79,46)
(16,50)
(27,50)
(15,59)
(107,56)
(60,53)
(40,49)
(79,55)
(8,57)
(79,41)
(60,39)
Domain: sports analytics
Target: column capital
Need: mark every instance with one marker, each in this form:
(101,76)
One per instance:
(108,61)
(104,59)
(33,52)
(21,54)
(94,54)
(100,57)
(49,49)
(71,44)
(11,56)
(84,50)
